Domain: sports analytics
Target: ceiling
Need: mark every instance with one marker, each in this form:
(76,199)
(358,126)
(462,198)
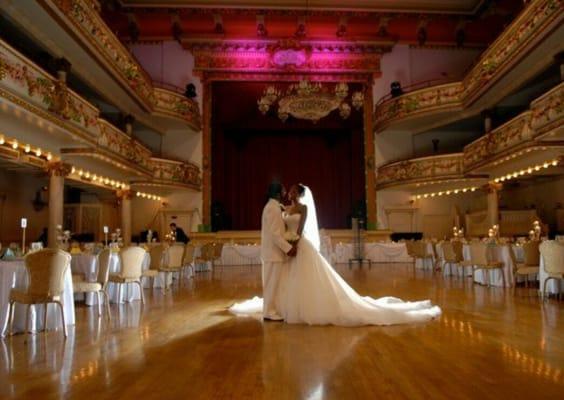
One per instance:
(149,20)
(441,6)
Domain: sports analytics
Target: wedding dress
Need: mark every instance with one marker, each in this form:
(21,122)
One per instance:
(317,295)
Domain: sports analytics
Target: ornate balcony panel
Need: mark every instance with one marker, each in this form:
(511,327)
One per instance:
(123,146)
(508,136)
(420,170)
(175,173)
(423,101)
(178,106)
(548,111)
(83,18)
(27,85)
(511,45)
(533,24)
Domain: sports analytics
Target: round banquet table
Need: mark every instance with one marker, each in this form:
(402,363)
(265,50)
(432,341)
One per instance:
(13,274)
(235,254)
(384,252)
(86,264)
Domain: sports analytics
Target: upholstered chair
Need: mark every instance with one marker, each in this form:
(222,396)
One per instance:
(530,265)
(188,260)
(173,265)
(156,255)
(98,287)
(552,253)
(46,271)
(480,261)
(452,253)
(131,269)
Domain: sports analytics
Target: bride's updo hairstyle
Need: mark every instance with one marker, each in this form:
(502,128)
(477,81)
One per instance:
(301,189)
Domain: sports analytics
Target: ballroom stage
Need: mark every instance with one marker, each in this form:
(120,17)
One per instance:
(183,344)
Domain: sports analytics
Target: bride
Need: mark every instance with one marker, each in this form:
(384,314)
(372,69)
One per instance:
(317,295)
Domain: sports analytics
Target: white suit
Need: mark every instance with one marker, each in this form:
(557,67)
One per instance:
(273,254)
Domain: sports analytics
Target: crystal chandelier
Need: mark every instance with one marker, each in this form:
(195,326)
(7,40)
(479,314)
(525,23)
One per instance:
(311,101)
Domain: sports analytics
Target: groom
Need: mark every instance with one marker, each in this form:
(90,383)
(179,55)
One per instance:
(274,249)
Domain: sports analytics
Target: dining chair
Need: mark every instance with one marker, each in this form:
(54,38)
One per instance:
(480,261)
(420,251)
(156,255)
(173,262)
(131,269)
(552,253)
(530,264)
(206,255)
(98,287)
(46,271)
(452,253)
(188,260)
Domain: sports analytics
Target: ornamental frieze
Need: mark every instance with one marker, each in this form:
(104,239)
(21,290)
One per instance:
(177,105)
(420,169)
(176,172)
(82,16)
(531,26)
(23,78)
(548,110)
(513,133)
(123,145)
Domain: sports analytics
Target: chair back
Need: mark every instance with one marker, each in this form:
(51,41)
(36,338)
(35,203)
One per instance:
(420,249)
(552,253)
(479,253)
(457,247)
(448,252)
(156,254)
(532,253)
(409,247)
(46,270)
(175,253)
(188,256)
(207,252)
(132,262)
(103,267)
(217,249)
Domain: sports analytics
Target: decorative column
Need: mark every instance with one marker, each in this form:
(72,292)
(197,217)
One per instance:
(125,197)
(492,190)
(206,151)
(57,172)
(369,161)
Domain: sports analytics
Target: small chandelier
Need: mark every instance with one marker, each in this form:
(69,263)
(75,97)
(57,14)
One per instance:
(311,101)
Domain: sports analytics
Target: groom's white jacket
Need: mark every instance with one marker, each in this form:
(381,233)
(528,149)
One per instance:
(273,246)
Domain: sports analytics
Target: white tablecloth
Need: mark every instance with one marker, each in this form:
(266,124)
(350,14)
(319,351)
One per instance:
(234,254)
(87,265)
(13,274)
(377,252)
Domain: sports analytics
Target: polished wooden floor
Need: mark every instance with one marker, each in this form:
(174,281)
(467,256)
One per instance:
(488,344)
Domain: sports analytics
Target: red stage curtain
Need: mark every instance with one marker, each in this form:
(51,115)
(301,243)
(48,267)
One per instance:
(330,163)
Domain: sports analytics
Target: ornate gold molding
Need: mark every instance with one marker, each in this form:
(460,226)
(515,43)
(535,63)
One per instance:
(531,26)
(58,168)
(418,170)
(84,22)
(169,172)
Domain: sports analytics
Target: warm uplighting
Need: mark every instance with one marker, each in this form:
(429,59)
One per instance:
(445,193)
(529,170)
(49,156)
(148,196)
(15,144)
(27,148)
(2,140)
(38,152)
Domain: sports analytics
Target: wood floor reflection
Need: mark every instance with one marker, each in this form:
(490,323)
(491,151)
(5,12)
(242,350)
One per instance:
(184,345)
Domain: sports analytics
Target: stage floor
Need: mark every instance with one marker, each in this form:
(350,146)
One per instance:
(182,344)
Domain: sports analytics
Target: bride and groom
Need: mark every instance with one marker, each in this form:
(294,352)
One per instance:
(300,286)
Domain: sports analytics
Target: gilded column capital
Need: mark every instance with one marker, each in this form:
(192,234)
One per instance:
(58,168)
(125,194)
(492,187)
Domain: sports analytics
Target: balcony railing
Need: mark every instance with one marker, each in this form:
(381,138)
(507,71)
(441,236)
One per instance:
(548,110)
(432,168)
(82,17)
(531,26)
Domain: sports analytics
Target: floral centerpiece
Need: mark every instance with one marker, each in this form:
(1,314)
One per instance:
(535,233)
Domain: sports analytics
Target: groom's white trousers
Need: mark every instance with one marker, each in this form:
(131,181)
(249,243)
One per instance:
(274,277)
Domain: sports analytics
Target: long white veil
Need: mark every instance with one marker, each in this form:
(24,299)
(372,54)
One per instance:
(311,229)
